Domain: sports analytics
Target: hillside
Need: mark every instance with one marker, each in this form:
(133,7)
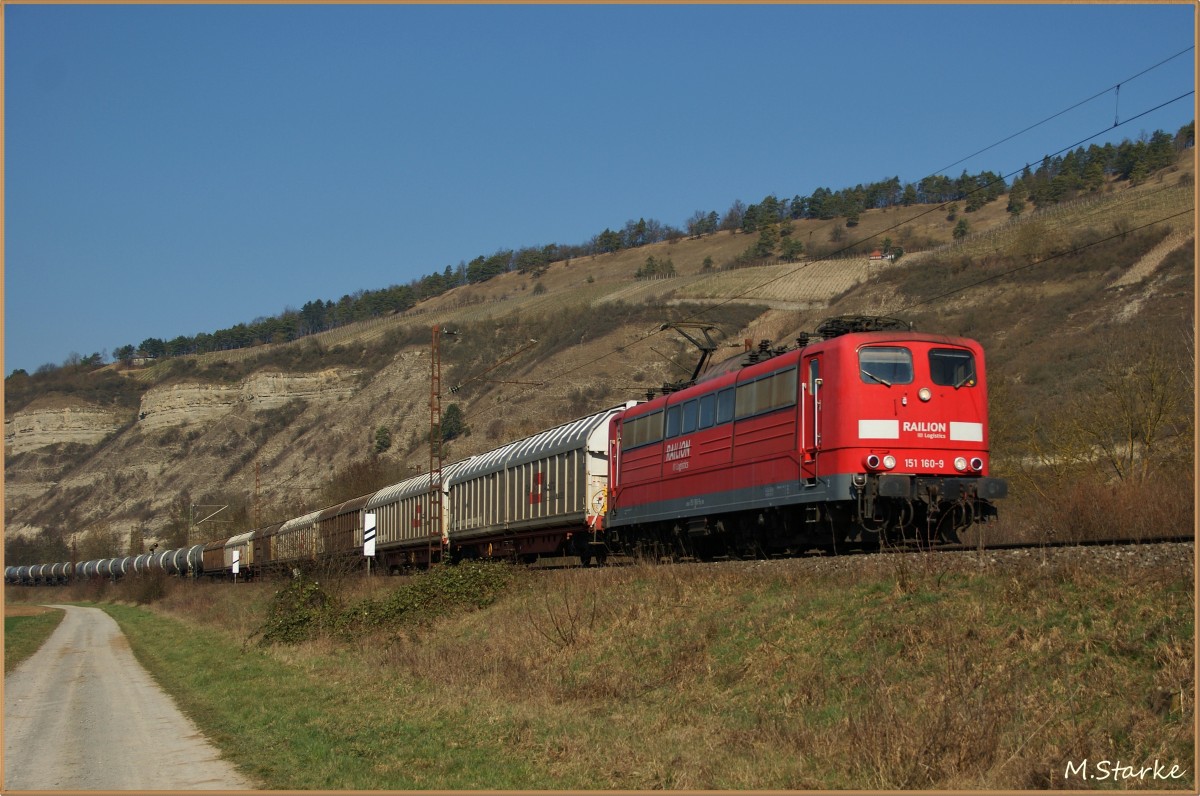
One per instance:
(278,429)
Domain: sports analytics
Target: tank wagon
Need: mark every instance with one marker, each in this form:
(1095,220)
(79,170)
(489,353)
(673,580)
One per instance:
(179,561)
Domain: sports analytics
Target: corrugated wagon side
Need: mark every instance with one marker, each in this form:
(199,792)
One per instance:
(262,542)
(407,531)
(239,550)
(541,496)
(296,542)
(340,528)
(214,558)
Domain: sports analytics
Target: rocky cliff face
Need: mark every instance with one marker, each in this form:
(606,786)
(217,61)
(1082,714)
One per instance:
(59,421)
(197,404)
(186,438)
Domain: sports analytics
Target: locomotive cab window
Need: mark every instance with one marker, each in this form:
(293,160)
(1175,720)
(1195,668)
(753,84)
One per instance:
(725,406)
(885,365)
(952,367)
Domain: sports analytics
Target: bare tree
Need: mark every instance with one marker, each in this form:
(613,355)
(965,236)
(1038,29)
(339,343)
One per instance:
(1137,417)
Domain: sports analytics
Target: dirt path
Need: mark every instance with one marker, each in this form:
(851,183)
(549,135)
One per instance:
(83,714)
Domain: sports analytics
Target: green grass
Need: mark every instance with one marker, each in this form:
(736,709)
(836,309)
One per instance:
(23,635)
(888,672)
(316,723)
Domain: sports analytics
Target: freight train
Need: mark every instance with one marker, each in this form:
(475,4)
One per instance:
(864,435)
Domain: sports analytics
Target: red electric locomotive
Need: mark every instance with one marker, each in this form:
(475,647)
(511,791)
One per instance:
(875,434)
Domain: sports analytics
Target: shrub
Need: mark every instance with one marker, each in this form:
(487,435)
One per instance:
(297,613)
(304,609)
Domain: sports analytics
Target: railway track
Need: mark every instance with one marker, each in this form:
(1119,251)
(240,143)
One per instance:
(1147,540)
(570,562)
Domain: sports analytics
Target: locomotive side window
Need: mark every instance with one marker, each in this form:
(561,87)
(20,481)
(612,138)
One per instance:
(766,394)
(673,421)
(642,430)
(952,367)
(885,365)
(725,406)
(783,389)
(691,410)
(708,411)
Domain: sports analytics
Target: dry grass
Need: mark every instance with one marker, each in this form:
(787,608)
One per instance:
(889,671)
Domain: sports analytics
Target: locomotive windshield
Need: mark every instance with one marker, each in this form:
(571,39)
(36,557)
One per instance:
(886,365)
(952,367)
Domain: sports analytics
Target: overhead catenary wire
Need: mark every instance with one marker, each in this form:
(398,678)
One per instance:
(1055,256)
(932,209)
(1052,117)
(853,244)
(1117,123)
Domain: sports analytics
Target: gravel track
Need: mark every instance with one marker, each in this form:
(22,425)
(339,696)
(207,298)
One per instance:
(1108,557)
(82,713)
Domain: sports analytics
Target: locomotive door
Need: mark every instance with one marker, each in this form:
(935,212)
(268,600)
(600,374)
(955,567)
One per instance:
(810,444)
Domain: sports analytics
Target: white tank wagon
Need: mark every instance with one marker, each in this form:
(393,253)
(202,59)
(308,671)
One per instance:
(541,496)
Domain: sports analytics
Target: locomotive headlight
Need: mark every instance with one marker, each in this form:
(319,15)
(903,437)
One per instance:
(960,464)
(924,394)
(872,462)
(889,461)
(977,464)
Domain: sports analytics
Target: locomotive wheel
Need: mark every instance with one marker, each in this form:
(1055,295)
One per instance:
(872,541)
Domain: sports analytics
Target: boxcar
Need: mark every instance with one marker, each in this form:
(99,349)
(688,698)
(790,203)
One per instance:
(262,542)
(407,530)
(341,528)
(296,542)
(539,496)
(214,558)
(238,549)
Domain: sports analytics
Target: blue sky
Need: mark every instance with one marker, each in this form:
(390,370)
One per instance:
(177,169)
